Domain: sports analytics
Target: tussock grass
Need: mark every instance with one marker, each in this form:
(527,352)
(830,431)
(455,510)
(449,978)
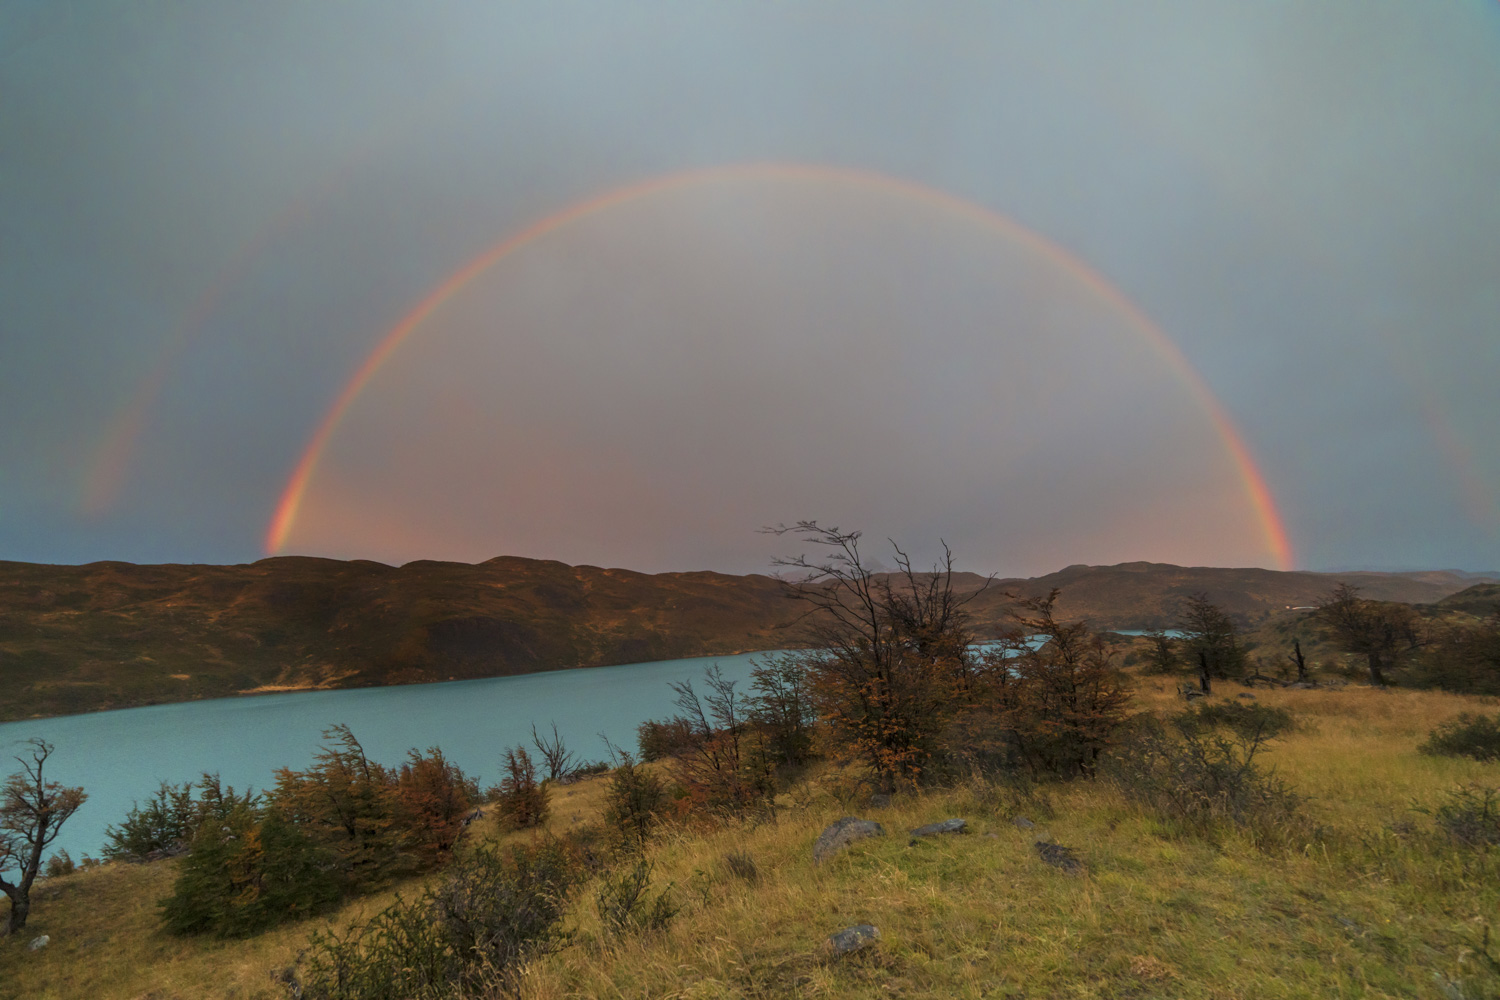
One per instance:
(1360,897)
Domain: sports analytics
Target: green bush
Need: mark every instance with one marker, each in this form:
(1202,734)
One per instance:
(248,871)
(471,933)
(633,803)
(161,827)
(60,864)
(1467,735)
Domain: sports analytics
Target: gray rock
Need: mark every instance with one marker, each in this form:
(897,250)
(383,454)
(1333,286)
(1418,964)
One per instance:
(946,826)
(1059,856)
(842,833)
(1023,822)
(1246,694)
(38,943)
(880,800)
(851,939)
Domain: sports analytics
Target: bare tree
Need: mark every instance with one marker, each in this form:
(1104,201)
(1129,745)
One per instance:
(1299,660)
(1378,631)
(558,758)
(32,812)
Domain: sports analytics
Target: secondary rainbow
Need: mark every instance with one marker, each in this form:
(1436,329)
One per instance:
(1264,505)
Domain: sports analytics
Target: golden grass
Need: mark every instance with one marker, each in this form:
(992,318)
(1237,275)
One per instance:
(106,941)
(1346,905)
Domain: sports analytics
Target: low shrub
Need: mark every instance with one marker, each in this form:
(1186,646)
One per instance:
(742,866)
(1471,816)
(625,902)
(1200,775)
(1467,735)
(1247,720)
(470,933)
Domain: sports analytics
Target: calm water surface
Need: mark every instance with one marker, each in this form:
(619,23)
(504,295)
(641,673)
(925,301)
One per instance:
(124,755)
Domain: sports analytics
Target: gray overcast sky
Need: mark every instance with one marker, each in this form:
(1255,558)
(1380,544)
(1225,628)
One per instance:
(212,213)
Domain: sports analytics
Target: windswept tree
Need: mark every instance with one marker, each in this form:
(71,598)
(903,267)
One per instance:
(890,653)
(1379,631)
(710,746)
(1054,695)
(782,709)
(352,805)
(1210,641)
(32,813)
(521,797)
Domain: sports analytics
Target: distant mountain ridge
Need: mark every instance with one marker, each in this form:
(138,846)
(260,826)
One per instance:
(113,634)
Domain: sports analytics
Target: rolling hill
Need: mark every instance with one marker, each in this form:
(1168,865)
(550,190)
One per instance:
(113,635)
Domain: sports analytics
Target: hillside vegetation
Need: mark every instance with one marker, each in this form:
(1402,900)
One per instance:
(114,635)
(1367,895)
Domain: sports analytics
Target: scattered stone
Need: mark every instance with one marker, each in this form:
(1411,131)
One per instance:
(851,939)
(1246,694)
(38,943)
(992,836)
(1059,856)
(842,833)
(1301,686)
(1023,823)
(880,800)
(946,826)
(1192,693)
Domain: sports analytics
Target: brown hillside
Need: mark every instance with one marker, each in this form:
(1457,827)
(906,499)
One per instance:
(1143,595)
(108,635)
(111,635)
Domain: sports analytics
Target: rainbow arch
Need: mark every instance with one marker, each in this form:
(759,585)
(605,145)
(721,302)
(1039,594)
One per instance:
(1263,503)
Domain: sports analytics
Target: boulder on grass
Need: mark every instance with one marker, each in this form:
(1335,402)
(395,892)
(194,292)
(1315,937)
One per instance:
(1059,856)
(841,834)
(946,826)
(851,939)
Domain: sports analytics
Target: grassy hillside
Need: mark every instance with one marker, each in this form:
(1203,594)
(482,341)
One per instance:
(113,635)
(1365,898)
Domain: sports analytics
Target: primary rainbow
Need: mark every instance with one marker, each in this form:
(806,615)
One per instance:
(1256,489)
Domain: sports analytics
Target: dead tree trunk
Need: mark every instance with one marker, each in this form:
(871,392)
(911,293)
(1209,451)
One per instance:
(1203,682)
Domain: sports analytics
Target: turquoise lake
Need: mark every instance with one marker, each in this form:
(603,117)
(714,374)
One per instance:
(122,756)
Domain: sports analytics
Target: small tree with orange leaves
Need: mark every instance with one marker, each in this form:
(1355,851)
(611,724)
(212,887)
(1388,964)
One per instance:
(434,795)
